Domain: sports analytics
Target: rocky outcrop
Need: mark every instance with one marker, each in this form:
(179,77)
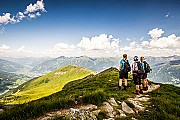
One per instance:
(76,114)
(113,108)
(113,102)
(126,108)
(109,109)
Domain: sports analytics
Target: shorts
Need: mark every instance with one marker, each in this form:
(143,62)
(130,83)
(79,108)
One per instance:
(144,76)
(123,75)
(137,80)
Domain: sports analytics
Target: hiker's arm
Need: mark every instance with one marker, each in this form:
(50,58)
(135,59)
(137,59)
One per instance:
(120,66)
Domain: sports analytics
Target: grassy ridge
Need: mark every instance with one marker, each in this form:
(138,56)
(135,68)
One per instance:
(47,84)
(96,89)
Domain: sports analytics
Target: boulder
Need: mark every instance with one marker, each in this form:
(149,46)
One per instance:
(126,108)
(122,114)
(109,109)
(113,102)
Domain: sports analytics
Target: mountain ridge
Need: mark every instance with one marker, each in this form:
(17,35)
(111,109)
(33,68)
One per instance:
(48,84)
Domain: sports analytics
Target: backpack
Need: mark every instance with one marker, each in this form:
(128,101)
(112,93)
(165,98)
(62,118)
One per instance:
(147,67)
(127,67)
(140,68)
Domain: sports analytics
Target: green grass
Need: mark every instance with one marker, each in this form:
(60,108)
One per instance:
(96,89)
(165,104)
(47,84)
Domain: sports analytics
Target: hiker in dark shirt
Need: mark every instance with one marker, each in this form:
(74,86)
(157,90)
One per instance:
(124,68)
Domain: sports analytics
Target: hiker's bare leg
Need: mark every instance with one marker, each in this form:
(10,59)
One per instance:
(120,82)
(140,87)
(125,82)
(137,87)
(145,82)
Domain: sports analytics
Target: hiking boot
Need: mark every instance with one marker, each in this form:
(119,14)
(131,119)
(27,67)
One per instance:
(119,87)
(141,91)
(137,92)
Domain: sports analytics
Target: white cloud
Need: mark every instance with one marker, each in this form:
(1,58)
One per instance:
(39,5)
(156,33)
(32,11)
(157,46)
(38,14)
(102,42)
(21,48)
(164,42)
(20,16)
(167,15)
(104,46)
(32,15)
(128,39)
(6,18)
(4,47)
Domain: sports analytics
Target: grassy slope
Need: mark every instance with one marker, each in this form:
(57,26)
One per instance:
(97,89)
(48,84)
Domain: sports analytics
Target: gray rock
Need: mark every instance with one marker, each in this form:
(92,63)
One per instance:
(151,88)
(1,110)
(122,114)
(89,107)
(119,102)
(96,112)
(134,118)
(113,102)
(126,108)
(109,109)
(109,119)
(75,114)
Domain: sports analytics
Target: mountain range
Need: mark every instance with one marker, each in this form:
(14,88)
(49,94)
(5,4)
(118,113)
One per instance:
(7,66)
(166,72)
(96,64)
(165,69)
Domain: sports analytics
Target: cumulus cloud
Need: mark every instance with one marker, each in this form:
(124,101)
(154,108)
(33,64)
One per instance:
(31,11)
(38,14)
(4,47)
(156,46)
(102,42)
(6,18)
(156,33)
(39,5)
(32,15)
(20,16)
(106,46)
(157,41)
(99,46)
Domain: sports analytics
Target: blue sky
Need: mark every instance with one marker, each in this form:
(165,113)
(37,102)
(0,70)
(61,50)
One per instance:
(63,23)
